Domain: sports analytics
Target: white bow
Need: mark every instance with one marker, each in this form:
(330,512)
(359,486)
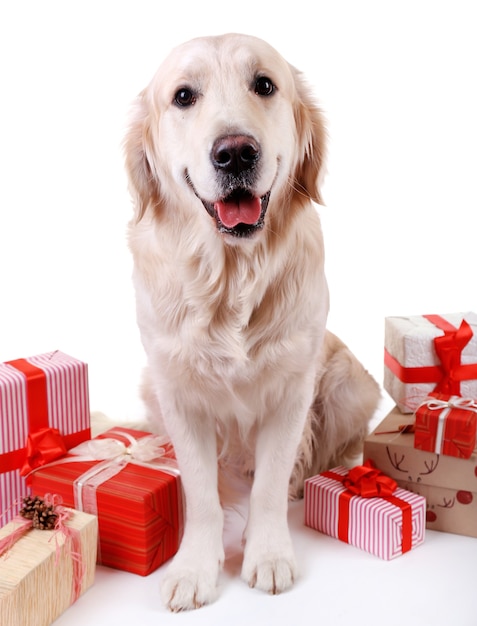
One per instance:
(455,402)
(144,450)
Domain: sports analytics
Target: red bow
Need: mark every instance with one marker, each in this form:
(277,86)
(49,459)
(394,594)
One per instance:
(369,482)
(449,348)
(42,447)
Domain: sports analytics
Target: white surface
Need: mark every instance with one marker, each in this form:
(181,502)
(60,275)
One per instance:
(339,585)
(397,83)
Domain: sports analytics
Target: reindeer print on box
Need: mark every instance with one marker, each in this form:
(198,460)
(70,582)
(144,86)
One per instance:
(449,484)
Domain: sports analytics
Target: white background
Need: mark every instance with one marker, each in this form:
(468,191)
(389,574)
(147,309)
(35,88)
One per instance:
(397,83)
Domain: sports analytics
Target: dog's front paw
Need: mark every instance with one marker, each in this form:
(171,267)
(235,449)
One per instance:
(183,590)
(189,584)
(271,571)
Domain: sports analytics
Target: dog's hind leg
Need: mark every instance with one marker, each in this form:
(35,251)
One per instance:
(346,398)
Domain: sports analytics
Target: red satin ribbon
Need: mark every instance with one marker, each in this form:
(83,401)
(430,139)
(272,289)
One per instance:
(368,482)
(450,373)
(36,393)
(10,461)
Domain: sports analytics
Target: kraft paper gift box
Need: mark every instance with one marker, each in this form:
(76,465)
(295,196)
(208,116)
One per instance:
(448,483)
(128,478)
(45,571)
(446,425)
(386,525)
(44,402)
(427,354)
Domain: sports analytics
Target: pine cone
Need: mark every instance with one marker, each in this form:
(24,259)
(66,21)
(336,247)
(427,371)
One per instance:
(44,517)
(30,506)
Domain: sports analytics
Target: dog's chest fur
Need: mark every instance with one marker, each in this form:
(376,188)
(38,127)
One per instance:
(228,315)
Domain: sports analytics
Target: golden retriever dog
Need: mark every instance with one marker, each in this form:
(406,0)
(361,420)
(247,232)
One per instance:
(224,155)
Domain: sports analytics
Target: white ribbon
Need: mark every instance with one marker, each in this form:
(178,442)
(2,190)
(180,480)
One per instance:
(446,406)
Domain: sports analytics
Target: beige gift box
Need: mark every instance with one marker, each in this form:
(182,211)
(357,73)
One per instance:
(448,483)
(37,572)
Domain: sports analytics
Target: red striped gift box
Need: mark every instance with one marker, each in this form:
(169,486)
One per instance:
(385,526)
(43,398)
(139,508)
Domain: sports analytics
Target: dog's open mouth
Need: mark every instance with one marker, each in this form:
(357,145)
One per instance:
(240,213)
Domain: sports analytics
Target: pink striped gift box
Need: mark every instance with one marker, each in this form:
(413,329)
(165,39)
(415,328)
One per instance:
(384,526)
(42,398)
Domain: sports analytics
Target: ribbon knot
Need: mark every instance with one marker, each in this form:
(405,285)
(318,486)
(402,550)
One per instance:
(369,482)
(42,447)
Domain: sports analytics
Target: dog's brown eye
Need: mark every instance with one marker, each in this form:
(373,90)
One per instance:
(264,86)
(184,97)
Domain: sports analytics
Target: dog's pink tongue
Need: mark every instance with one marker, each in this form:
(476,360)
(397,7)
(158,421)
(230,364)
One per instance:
(242,211)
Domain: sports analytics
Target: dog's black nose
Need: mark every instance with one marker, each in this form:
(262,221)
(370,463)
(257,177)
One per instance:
(235,153)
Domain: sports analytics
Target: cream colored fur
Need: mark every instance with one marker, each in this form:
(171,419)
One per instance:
(239,359)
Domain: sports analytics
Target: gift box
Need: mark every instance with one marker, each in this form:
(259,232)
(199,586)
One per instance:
(446,425)
(43,402)
(427,354)
(130,479)
(448,483)
(45,571)
(367,509)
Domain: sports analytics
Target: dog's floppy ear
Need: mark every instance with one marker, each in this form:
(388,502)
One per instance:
(143,184)
(311,141)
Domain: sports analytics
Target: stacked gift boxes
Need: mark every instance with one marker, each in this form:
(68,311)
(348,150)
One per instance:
(44,414)
(43,404)
(448,483)
(427,443)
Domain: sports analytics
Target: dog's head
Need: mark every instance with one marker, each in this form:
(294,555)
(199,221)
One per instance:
(228,127)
